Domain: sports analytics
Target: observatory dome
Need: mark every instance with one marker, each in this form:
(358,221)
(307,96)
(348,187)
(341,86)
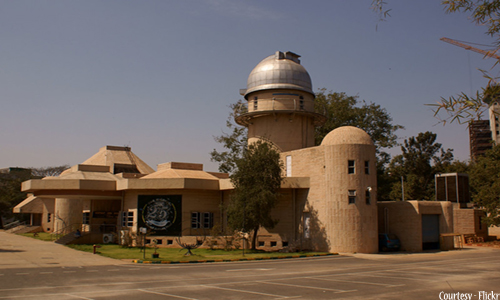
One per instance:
(347,135)
(279,71)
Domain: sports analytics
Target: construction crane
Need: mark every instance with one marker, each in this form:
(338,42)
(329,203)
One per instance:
(467,47)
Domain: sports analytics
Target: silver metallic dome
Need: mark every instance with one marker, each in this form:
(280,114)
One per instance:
(279,71)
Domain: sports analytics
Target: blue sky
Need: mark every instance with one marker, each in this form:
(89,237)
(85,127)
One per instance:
(158,75)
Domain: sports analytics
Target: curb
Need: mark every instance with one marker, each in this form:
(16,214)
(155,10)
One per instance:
(140,261)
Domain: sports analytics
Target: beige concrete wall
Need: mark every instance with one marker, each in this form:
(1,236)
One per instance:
(48,208)
(350,227)
(334,224)
(404,218)
(68,215)
(288,131)
(468,221)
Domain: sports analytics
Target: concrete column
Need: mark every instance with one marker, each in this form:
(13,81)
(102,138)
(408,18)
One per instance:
(67,215)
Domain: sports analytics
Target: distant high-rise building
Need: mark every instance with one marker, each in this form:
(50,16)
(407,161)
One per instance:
(480,138)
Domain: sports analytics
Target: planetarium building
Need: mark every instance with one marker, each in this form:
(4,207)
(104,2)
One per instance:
(327,200)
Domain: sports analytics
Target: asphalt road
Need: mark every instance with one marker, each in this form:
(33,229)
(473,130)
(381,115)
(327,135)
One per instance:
(358,276)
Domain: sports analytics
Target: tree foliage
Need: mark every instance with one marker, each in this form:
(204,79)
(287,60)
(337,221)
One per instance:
(342,110)
(485,184)
(10,185)
(233,142)
(256,181)
(48,171)
(10,190)
(463,108)
(422,157)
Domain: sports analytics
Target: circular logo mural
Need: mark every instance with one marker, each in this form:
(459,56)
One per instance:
(159,214)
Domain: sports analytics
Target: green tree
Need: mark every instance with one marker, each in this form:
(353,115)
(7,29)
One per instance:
(342,110)
(10,185)
(10,190)
(256,181)
(234,142)
(485,184)
(422,157)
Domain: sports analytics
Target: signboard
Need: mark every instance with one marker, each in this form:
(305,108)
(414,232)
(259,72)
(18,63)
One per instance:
(160,213)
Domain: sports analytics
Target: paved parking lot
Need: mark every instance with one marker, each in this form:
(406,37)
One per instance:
(358,276)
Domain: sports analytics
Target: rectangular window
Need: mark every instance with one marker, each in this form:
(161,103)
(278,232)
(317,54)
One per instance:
(128,219)
(352,196)
(208,219)
(48,218)
(367,167)
(195,220)
(368,197)
(301,104)
(202,220)
(350,167)
(86,218)
(289,166)
(255,104)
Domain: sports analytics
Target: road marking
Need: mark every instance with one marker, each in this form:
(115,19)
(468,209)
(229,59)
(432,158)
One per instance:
(80,297)
(22,273)
(309,287)
(89,271)
(69,271)
(258,269)
(165,294)
(396,277)
(46,272)
(355,281)
(113,270)
(243,291)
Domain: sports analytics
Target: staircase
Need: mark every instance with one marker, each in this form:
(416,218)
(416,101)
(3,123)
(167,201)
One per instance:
(67,239)
(24,229)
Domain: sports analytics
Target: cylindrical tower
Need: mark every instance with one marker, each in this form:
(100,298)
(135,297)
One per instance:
(350,205)
(68,215)
(280,103)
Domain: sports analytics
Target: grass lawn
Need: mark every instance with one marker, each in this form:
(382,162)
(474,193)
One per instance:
(172,254)
(44,236)
(169,254)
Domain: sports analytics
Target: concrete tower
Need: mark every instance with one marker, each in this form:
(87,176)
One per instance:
(349,208)
(280,103)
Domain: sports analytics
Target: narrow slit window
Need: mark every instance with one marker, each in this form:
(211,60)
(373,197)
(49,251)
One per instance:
(367,167)
(368,197)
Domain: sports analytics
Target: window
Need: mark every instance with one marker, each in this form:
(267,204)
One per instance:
(352,196)
(301,102)
(261,244)
(289,166)
(86,218)
(274,244)
(48,218)
(367,167)
(284,244)
(255,103)
(128,219)
(368,197)
(202,220)
(195,220)
(350,167)
(170,242)
(208,219)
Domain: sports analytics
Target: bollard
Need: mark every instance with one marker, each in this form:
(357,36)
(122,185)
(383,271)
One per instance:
(96,246)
